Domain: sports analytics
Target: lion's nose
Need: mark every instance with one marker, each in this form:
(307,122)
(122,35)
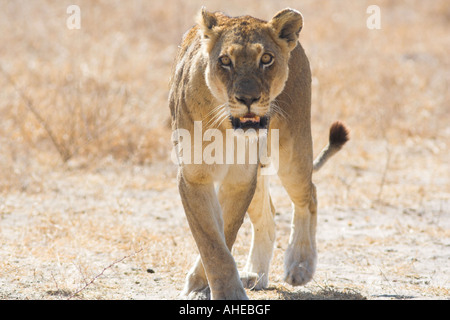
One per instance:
(248,100)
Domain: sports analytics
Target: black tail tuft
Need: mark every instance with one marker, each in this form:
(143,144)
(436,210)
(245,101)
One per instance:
(339,134)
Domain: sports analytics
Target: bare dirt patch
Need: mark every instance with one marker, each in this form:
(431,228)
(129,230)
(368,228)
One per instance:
(119,232)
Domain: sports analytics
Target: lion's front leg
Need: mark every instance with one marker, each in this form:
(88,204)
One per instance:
(295,172)
(301,254)
(204,217)
(196,286)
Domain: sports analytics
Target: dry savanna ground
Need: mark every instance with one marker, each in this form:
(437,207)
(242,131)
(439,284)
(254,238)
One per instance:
(89,207)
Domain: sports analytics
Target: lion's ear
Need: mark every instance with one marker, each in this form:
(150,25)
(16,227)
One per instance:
(287,25)
(207,21)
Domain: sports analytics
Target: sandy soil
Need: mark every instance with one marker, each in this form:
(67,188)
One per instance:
(118,232)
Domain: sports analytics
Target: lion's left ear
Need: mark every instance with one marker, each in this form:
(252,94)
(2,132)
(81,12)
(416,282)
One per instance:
(287,25)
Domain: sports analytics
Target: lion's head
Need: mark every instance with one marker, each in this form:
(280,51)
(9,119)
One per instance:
(247,62)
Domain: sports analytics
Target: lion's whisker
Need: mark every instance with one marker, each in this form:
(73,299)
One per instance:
(220,112)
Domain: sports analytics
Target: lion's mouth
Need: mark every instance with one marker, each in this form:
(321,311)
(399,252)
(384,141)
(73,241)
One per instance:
(250,121)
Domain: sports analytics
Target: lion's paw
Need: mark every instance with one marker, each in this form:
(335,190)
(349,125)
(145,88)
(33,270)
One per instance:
(298,274)
(253,281)
(203,294)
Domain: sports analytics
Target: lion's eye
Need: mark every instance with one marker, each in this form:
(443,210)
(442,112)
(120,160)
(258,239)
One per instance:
(266,59)
(225,61)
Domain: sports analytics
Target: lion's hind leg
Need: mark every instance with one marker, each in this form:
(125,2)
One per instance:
(196,286)
(261,213)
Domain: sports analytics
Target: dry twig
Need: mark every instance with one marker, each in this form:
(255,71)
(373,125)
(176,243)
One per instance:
(101,273)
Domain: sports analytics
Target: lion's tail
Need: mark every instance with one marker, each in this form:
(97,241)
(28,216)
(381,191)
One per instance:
(339,135)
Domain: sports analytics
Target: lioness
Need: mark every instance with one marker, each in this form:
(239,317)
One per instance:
(246,74)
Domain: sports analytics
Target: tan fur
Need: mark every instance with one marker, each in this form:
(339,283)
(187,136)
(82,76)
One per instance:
(202,89)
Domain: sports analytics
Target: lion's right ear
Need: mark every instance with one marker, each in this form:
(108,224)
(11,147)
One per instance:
(207,21)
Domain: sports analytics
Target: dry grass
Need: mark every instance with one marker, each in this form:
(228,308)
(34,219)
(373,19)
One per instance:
(85,178)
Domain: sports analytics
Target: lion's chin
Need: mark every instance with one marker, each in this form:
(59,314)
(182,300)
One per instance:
(249,121)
